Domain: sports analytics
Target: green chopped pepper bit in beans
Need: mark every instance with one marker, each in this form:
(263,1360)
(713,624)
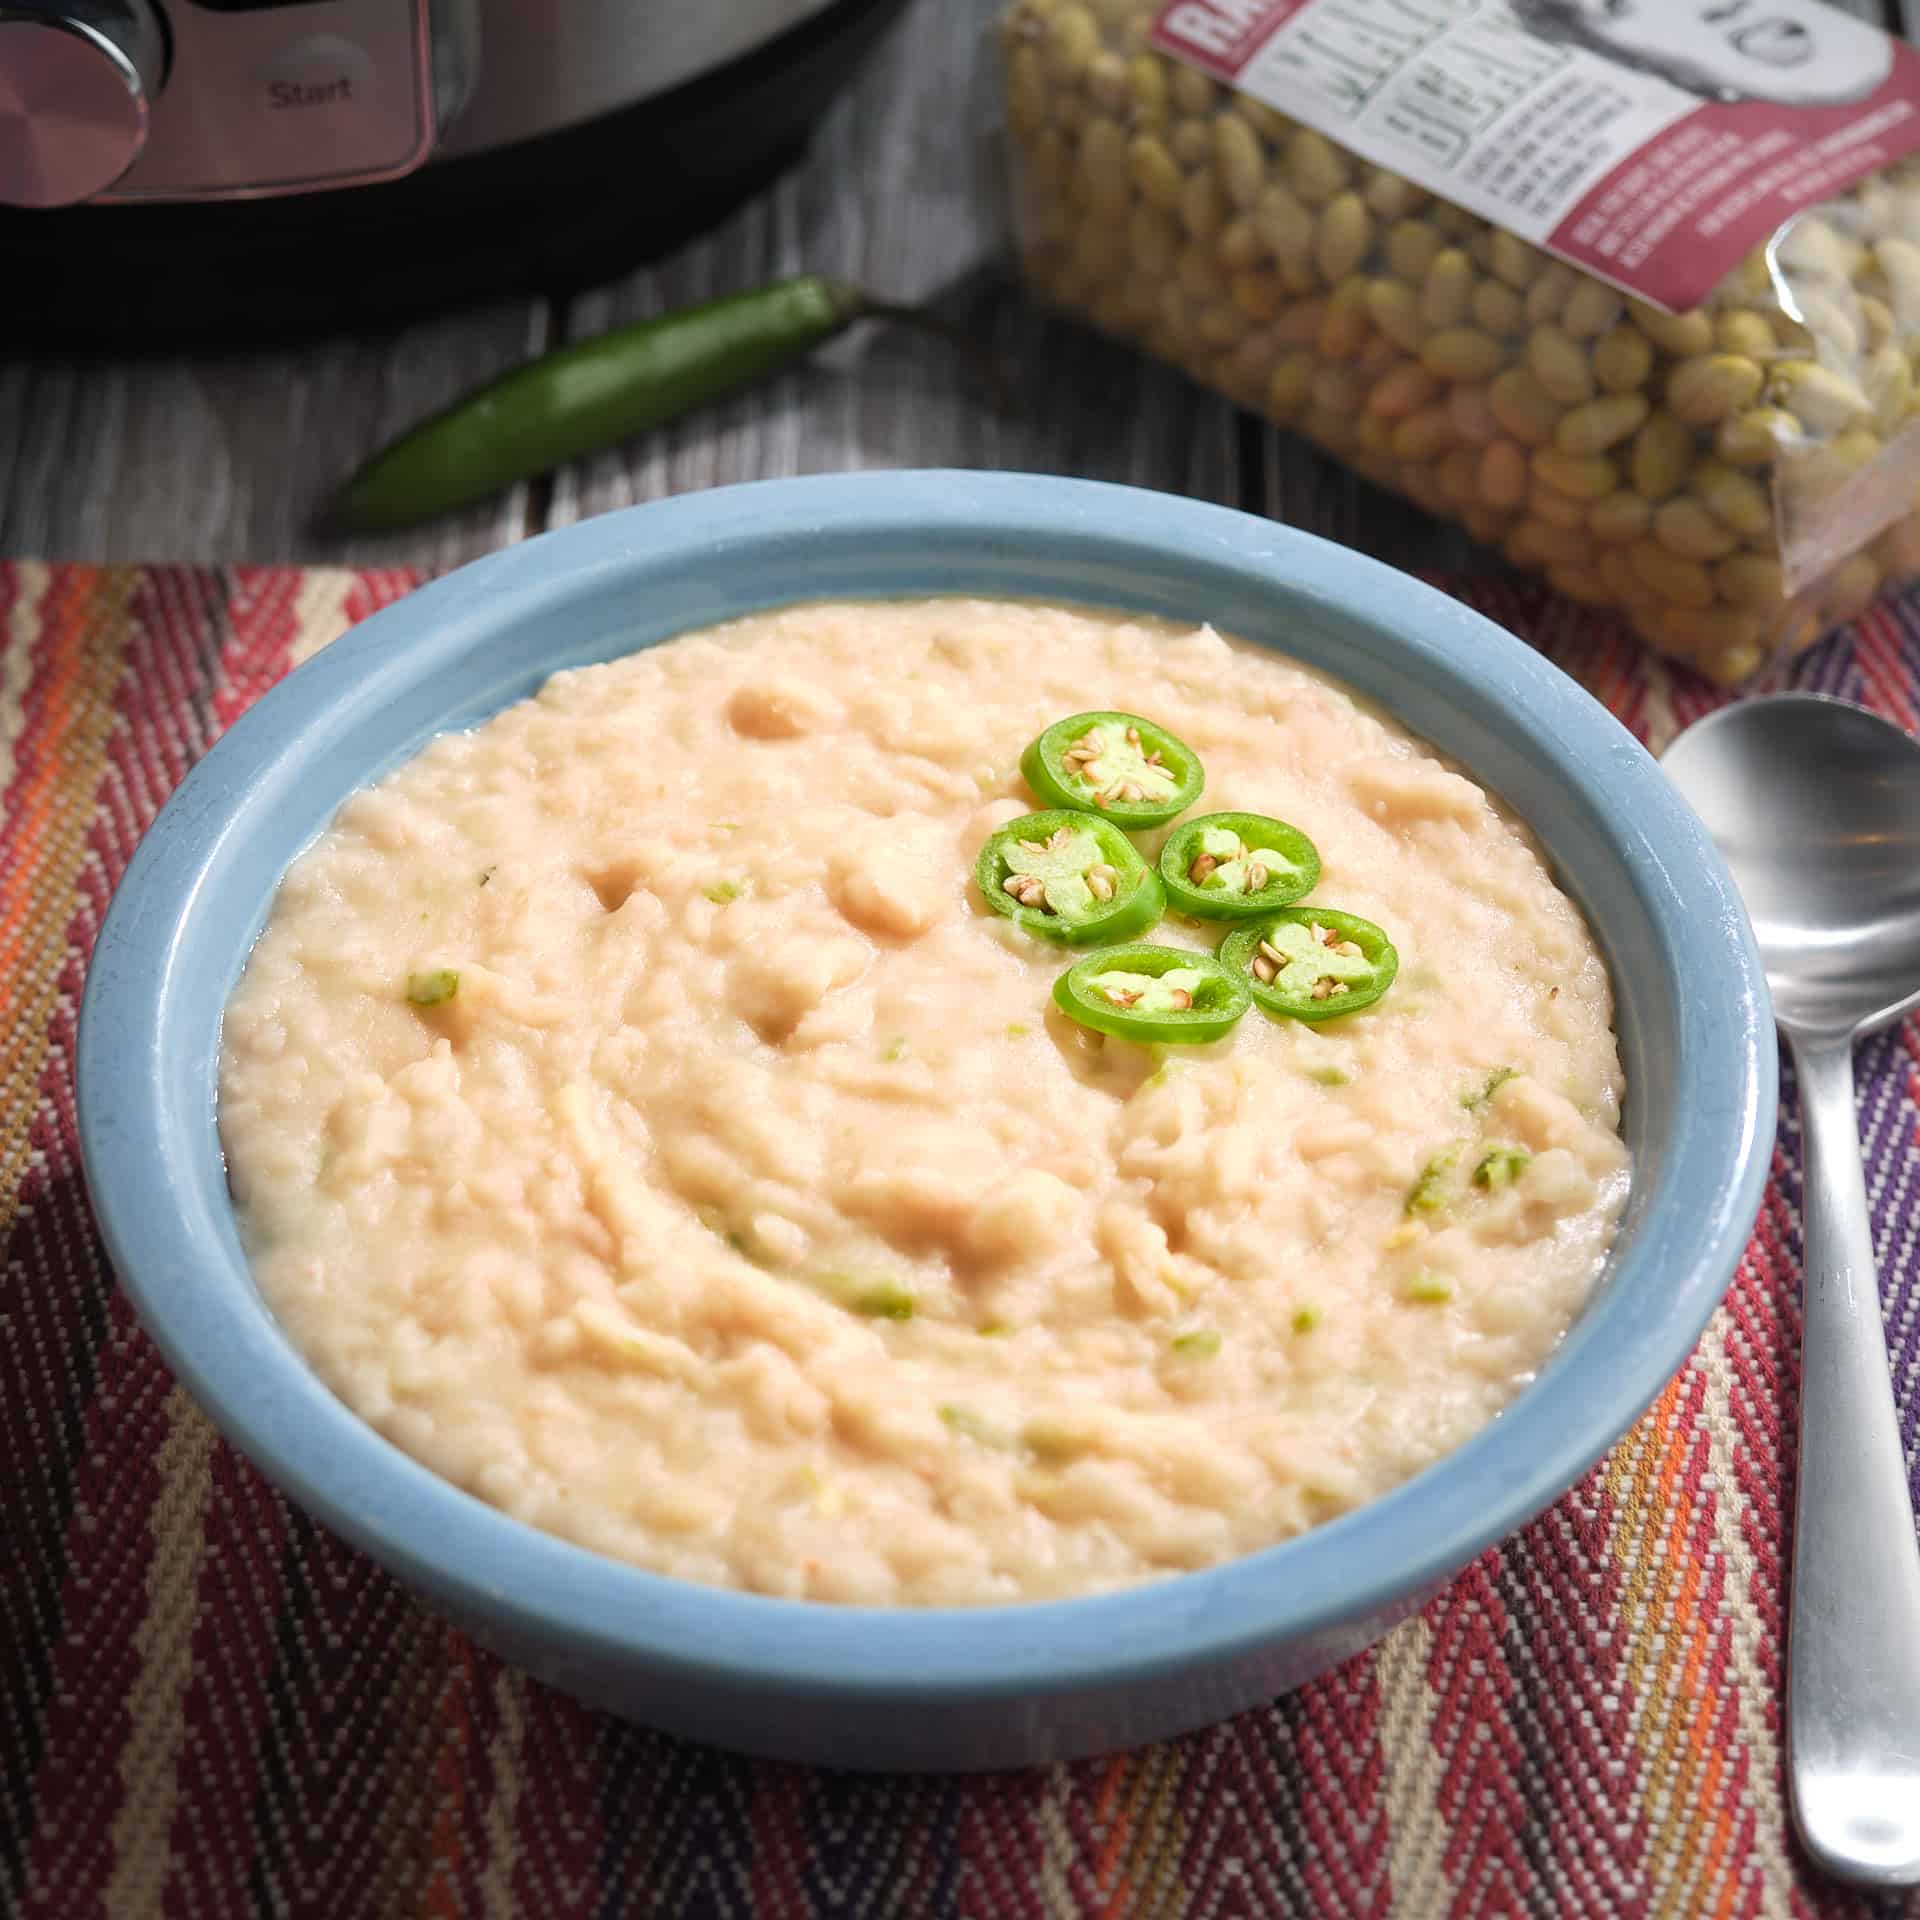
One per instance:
(1311,963)
(1202,1344)
(1069,877)
(1128,769)
(1428,1194)
(1501,1167)
(1170,995)
(433,988)
(886,1301)
(1476,1097)
(1231,866)
(871,1299)
(972,1426)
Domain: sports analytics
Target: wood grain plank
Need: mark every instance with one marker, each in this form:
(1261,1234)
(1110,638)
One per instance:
(221,457)
(900,192)
(1308,488)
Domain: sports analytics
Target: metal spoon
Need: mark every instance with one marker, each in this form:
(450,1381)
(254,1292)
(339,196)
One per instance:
(1816,806)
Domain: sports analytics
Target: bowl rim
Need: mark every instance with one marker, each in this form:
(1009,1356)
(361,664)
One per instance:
(164,1239)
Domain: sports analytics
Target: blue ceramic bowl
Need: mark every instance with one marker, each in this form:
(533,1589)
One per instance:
(923,1689)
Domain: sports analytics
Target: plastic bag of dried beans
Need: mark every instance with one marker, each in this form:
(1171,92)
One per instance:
(1632,294)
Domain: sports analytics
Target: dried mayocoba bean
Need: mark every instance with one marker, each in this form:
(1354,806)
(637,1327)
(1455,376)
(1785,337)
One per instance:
(1238,156)
(1560,365)
(1745,333)
(1524,408)
(1591,308)
(1600,424)
(1622,359)
(1463,353)
(1504,474)
(1497,309)
(1412,248)
(1622,516)
(1394,308)
(1447,290)
(1345,236)
(1584,476)
(1757,438)
(1315,166)
(1706,388)
(1663,451)
(1685,527)
(1545,502)
(1734,499)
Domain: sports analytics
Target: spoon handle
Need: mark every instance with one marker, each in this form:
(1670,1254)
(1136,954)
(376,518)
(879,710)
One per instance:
(1853,1654)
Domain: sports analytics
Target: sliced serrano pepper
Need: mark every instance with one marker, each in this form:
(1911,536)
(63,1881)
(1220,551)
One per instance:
(1070,877)
(1129,770)
(1234,866)
(1168,995)
(1312,963)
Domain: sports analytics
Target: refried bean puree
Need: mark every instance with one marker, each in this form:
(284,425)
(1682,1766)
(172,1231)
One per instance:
(749,1212)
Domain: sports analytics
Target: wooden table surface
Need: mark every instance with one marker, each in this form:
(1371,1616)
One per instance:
(220,457)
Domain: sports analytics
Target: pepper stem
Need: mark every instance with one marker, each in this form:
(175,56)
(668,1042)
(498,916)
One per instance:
(983,367)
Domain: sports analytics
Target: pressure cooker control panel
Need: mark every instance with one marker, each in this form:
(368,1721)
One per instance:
(209,99)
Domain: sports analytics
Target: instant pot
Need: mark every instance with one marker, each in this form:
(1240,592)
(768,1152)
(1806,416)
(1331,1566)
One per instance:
(241,167)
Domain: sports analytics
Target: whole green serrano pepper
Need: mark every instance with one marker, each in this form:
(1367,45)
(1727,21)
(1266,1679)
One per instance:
(581,398)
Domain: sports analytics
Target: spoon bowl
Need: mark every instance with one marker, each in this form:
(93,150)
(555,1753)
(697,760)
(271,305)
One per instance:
(1816,806)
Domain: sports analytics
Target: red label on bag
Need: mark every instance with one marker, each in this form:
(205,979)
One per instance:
(1219,36)
(1654,145)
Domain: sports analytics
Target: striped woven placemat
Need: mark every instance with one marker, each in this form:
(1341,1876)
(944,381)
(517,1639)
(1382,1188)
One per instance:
(213,1709)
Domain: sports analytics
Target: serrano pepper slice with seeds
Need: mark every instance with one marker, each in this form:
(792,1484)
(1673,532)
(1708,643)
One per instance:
(1312,963)
(1069,877)
(1126,769)
(1170,995)
(1232,866)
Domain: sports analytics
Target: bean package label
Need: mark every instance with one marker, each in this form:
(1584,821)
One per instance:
(1628,288)
(1652,144)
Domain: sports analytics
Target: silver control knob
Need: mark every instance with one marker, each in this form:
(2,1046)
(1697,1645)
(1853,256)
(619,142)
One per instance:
(76,82)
